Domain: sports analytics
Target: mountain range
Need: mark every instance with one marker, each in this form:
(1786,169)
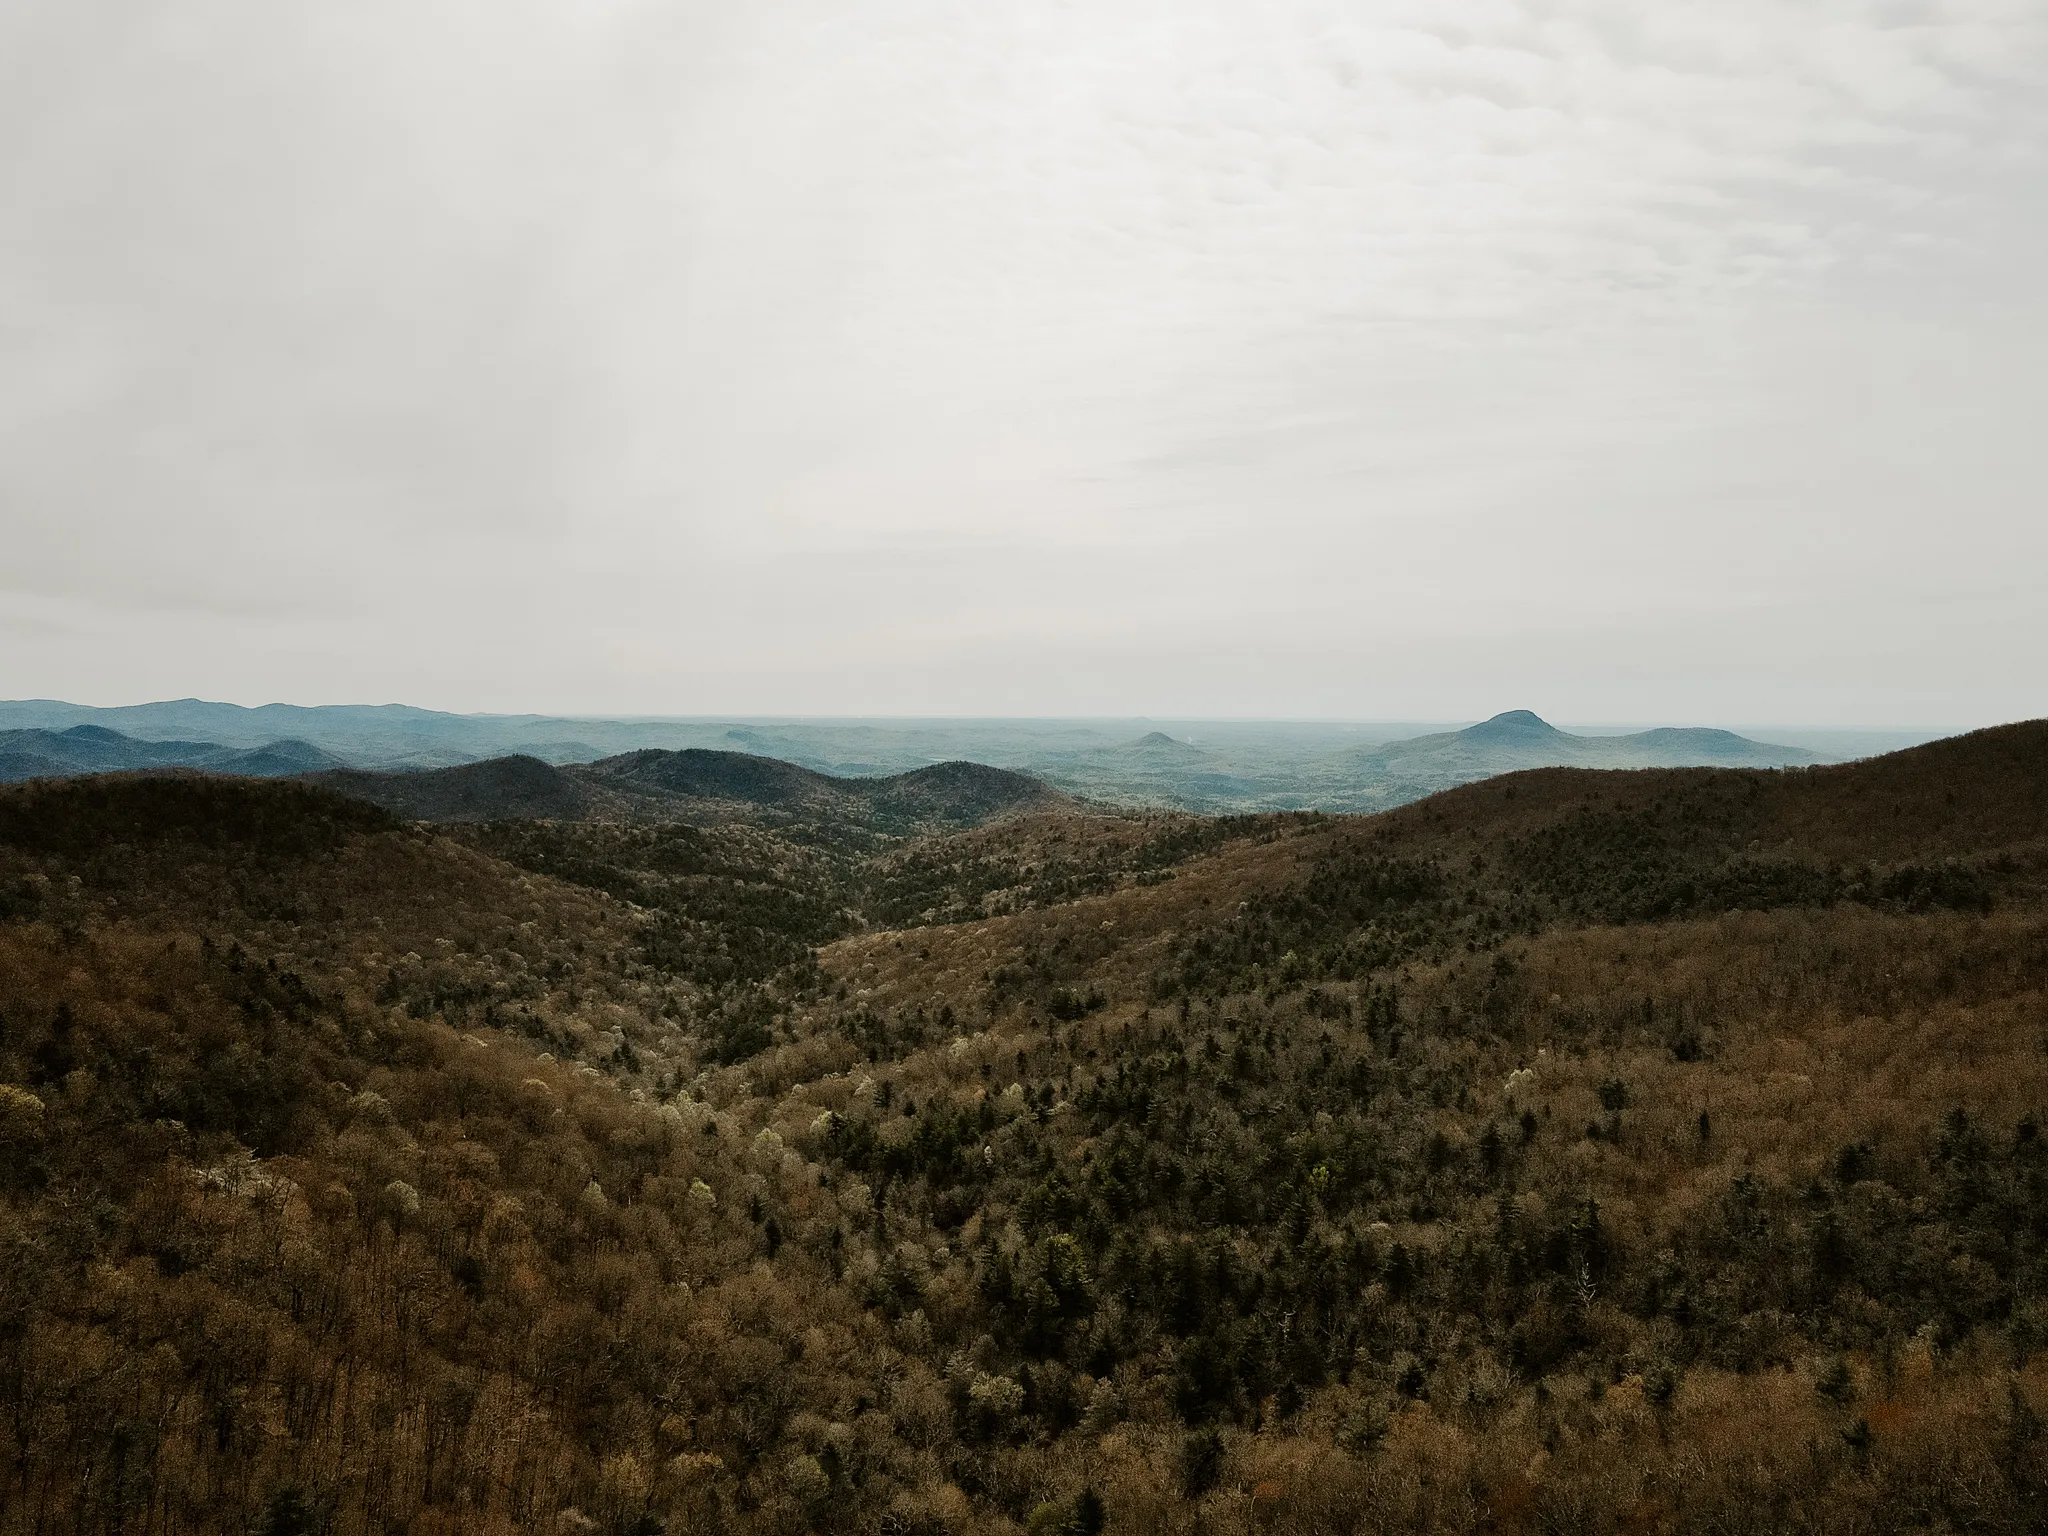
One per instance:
(1162,769)
(43,754)
(1206,767)
(699,786)
(1507,743)
(1519,739)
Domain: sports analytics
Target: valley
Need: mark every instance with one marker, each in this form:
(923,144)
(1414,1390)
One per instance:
(692,1141)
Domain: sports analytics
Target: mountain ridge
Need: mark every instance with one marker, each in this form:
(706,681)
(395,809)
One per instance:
(43,753)
(1522,739)
(1212,767)
(698,784)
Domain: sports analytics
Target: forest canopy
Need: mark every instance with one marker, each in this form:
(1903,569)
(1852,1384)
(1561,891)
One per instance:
(1659,1150)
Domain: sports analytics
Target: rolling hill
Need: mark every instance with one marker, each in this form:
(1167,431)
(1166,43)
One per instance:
(1652,1150)
(502,787)
(1211,767)
(1158,769)
(699,785)
(82,749)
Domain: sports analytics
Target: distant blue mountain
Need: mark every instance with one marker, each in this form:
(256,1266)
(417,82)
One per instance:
(1209,766)
(43,754)
(1519,739)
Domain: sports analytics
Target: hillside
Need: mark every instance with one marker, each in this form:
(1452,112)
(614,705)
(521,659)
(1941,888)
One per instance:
(714,784)
(1617,1150)
(349,1262)
(500,788)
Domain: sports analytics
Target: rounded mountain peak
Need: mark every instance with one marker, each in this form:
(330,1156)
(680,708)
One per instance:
(1513,725)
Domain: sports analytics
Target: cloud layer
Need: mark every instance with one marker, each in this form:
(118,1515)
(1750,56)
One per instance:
(1003,356)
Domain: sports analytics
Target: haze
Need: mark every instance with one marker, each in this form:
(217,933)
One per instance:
(1395,360)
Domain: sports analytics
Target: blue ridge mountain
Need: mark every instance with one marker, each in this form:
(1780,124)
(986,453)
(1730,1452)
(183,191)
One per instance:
(1217,766)
(1519,739)
(38,754)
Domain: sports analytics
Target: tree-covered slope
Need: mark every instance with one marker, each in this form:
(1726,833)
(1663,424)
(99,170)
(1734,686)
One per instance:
(1646,1150)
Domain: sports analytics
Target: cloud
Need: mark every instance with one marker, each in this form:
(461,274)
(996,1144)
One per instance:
(800,334)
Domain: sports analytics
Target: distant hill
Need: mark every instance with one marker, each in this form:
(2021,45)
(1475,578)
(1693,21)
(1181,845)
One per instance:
(1159,745)
(1519,739)
(943,795)
(230,724)
(1210,767)
(502,789)
(359,735)
(699,785)
(740,778)
(279,759)
(40,754)
(955,795)
(1163,770)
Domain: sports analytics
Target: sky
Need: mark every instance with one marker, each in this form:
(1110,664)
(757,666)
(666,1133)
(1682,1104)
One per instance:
(1682,362)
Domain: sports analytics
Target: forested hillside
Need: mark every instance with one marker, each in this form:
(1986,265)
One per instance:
(1661,1150)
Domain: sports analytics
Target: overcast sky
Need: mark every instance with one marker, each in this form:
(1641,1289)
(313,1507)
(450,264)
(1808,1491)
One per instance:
(1620,360)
